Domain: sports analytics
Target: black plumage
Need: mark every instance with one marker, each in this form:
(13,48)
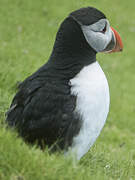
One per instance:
(42,111)
(87,16)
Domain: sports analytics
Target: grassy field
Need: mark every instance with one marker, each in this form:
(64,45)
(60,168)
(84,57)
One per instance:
(27,33)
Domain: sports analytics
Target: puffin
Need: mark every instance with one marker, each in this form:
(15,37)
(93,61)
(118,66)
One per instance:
(65,103)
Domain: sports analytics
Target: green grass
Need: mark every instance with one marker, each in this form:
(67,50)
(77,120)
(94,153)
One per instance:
(27,33)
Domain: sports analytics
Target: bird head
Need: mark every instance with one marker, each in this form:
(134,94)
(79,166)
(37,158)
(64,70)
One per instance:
(97,30)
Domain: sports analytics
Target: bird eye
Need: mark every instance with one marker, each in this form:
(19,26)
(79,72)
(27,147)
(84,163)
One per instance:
(104,29)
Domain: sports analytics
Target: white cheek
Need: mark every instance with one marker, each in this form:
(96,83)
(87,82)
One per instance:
(97,40)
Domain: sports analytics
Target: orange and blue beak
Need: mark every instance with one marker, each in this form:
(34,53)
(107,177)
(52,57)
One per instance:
(118,42)
(115,44)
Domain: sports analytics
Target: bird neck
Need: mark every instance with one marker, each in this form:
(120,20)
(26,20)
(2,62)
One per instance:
(71,52)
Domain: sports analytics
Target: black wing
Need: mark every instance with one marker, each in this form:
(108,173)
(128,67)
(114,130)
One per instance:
(43,111)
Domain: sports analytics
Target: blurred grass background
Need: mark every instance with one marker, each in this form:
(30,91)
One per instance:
(27,34)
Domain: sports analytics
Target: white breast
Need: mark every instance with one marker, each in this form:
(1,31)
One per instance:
(91,88)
